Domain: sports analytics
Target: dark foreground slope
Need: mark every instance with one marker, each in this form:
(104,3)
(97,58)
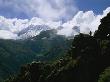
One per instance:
(14,53)
(88,60)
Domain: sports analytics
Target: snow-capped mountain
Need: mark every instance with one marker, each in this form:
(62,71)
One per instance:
(32,31)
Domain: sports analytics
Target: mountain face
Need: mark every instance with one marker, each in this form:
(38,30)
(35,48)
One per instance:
(32,31)
(44,47)
(87,60)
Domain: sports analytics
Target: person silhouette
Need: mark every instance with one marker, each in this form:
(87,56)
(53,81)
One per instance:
(90,33)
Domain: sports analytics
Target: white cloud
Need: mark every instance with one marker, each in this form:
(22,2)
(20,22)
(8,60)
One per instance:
(56,9)
(45,9)
(7,35)
(85,21)
(82,22)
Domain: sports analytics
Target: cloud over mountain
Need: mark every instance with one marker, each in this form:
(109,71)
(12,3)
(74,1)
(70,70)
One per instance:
(10,28)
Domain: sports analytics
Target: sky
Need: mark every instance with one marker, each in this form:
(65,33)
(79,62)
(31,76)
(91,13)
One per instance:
(46,9)
(73,15)
(25,9)
(95,5)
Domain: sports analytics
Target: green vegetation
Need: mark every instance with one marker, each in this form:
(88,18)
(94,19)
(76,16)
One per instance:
(87,60)
(15,53)
(105,76)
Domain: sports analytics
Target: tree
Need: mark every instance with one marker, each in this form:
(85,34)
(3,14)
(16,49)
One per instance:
(103,31)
